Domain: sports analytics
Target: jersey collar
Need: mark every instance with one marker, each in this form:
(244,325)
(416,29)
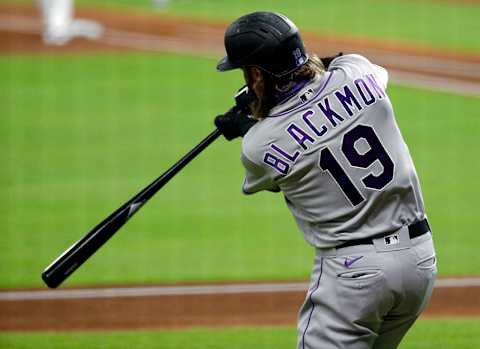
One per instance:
(289,105)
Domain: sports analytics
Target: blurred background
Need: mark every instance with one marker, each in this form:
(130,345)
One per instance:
(98,98)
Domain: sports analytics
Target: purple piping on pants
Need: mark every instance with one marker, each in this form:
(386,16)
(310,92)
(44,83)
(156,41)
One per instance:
(313,98)
(313,304)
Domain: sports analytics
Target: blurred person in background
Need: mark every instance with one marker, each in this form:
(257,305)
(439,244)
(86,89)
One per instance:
(60,26)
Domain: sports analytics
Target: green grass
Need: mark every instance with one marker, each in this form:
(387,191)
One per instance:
(426,334)
(81,134)
(436,23)
(79,141)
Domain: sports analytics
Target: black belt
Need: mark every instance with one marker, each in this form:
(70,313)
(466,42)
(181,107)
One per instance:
(414,230)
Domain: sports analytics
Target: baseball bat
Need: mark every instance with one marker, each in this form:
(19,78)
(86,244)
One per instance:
(79,252)
(69,261)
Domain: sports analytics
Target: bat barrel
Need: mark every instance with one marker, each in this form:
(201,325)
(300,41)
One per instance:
(79,252)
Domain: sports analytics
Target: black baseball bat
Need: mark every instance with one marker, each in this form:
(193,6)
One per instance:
(69,261)
(79,252)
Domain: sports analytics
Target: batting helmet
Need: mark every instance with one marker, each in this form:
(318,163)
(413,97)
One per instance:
(266,40)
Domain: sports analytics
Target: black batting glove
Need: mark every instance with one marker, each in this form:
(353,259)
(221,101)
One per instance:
(327,60)
(234,123)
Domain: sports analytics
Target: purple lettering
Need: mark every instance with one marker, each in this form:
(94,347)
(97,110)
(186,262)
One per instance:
(277,163)
(347,100)
(376,86)
(359,83)
(329,112)
(312,127)
(299,135)
(282,152)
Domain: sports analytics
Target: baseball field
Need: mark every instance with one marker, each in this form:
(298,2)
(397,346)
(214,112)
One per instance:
(85,126)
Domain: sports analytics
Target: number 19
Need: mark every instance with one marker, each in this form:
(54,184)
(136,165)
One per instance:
(356,159)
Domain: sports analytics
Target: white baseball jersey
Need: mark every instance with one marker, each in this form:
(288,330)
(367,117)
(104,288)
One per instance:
(335,151)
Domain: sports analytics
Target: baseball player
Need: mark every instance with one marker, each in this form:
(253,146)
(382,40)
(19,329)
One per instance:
(323,132)
(60,26)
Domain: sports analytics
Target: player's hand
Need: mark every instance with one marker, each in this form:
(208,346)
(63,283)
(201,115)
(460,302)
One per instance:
(327,60)
(234,123)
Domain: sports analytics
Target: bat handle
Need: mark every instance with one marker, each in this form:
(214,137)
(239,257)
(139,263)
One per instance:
(172,171)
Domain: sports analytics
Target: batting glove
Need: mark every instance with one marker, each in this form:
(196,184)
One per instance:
(234,123)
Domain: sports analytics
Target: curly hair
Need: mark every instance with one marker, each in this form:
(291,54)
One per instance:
(266,87)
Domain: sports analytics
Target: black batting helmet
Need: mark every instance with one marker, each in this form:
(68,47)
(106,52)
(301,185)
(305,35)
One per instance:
(266,40)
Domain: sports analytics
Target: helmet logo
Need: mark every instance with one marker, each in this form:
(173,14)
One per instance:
(299,58)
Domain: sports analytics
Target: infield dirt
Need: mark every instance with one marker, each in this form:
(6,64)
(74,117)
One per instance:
(184,310)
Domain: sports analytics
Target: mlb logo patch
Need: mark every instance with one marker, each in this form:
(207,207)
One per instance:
(306,96)
(392,239)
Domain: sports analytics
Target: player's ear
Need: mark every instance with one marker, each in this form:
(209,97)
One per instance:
(257,74)
(252,75)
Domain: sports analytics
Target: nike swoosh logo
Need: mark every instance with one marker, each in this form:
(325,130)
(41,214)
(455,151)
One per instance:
(134,208)
(349,261)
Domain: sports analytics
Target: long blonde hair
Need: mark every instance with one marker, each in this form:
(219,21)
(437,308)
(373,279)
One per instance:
(265,87)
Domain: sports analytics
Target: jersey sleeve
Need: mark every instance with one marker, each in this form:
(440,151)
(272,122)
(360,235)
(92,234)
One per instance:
(354,64)
(257,177)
